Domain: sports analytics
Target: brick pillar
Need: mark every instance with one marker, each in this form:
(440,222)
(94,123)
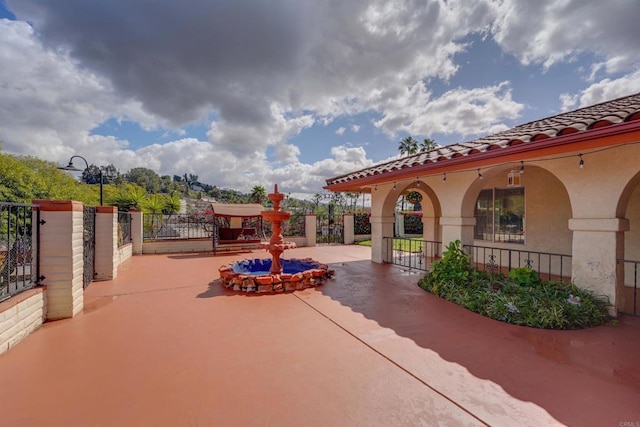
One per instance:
(106,242)
(137,235)
(348,229)
(310,231)
(61,257)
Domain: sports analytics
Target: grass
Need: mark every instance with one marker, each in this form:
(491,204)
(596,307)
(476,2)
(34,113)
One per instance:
(414,244)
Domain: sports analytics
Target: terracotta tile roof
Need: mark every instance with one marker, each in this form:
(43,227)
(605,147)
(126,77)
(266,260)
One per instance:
(596,116)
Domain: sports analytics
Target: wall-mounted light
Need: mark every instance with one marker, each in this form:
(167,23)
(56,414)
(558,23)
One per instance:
(581,162)
(417,181)
(479,174)
(394,186)
(514,179)
(521,166)
(444,177)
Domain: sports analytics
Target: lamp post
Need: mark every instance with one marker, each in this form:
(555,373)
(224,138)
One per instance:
(70,167)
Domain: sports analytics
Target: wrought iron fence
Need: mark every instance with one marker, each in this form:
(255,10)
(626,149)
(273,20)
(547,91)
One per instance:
(89,245)
(330,229)
(549,266)
(630,297)
(178,226)
(411,253)
(295,226)
(124,228)
(19,248)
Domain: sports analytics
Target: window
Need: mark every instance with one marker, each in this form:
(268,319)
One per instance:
(500,215)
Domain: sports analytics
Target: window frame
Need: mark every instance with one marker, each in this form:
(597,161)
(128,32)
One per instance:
(490,230)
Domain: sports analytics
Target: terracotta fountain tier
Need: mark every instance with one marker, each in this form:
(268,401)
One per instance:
(276,244)
(275,274)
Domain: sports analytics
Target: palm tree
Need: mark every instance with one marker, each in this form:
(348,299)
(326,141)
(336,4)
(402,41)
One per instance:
(428,144)
(408,146)
(258,194)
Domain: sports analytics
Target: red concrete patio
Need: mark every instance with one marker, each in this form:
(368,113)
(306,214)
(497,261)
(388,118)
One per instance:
(165,344)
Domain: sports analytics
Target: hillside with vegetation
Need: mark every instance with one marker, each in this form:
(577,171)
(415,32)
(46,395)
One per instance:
(27,178)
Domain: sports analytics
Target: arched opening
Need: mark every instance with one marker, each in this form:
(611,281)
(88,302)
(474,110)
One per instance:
(414,241)
(520,222)
(628,294)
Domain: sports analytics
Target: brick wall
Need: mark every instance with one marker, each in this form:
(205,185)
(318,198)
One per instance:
(19,316)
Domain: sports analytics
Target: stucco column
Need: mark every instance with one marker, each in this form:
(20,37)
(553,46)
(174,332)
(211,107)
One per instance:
(457,228)
(137,235)
(399,224)
(381,227)
(310,231)
(106,242)
(61,257)
(597,245)
(348,229)
(430,228)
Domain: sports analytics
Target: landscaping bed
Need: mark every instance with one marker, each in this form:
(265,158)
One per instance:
(521,298)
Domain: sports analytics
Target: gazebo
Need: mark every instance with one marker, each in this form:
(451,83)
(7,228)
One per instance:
(236,223)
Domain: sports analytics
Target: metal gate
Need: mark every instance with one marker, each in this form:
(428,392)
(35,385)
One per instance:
(330,229)
(19,248)
(89,244)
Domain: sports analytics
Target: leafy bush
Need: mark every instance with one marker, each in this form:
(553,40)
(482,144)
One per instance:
(454,267)
(521,299)
(524,276)
(413,223)
(361,224)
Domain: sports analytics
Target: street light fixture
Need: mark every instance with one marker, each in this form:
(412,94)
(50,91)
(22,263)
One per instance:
(70,167)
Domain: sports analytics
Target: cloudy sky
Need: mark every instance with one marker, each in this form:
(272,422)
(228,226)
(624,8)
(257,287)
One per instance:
(255,92)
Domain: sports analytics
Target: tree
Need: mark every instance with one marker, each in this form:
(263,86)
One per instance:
(24,178)
(91,175)
(258,195)
(130,195)
(428,144)
(408,146)
(169,186)
(110,174)
(145,178)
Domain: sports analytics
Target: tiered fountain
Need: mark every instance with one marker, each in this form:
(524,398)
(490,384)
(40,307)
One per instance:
(275,274)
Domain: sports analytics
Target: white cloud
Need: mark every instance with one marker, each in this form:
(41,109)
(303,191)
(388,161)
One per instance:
(295,65)
(49,104)
(604,90)
(548,32)
(458,111)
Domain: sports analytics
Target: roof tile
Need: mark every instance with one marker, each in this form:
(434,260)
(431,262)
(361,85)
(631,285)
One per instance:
(603,114)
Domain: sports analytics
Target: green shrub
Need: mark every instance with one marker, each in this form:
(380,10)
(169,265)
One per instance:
(413,223)
(361,223)
(520,299)
(453,268)
(524,276)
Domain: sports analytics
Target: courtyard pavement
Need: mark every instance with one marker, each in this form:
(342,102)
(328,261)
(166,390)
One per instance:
(165,345)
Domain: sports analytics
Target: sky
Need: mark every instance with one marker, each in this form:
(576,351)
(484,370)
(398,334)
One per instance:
(257,92)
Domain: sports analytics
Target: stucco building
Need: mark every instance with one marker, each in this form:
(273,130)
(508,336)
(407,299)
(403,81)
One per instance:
(567,185)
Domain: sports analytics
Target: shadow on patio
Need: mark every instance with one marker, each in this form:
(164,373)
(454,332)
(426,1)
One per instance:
(158,345)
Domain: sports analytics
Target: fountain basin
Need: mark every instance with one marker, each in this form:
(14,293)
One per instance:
(252,276)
